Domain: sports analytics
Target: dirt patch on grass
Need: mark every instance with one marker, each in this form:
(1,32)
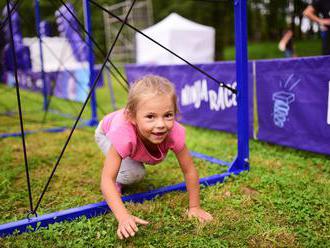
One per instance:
(249,191)
(273,239)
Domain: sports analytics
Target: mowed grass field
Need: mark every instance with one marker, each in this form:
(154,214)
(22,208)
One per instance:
(268,50)
(283,201)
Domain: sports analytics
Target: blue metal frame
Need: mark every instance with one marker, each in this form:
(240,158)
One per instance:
(242,160)
(87,14)
(45,90)
(96,209)
(240,163)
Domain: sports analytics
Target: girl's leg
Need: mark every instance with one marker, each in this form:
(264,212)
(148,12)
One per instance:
(325,35)
(101,140)
(130,170)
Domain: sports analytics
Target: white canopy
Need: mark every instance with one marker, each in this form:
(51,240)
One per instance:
(192,41)
(57,54)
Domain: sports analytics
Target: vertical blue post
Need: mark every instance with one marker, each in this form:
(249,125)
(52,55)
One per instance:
(43,76)
(242,160)
(87,14)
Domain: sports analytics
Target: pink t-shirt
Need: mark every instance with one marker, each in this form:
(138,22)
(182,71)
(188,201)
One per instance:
(123,136)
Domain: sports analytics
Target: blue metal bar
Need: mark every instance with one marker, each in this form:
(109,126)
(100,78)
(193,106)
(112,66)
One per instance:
(46,130)
(51,130)
(45,90)
(209,158)
(96,209)
(65,115)
(87,14)
(242,160)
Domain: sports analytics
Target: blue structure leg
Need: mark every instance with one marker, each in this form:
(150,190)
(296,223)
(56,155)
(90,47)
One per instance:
(242,160)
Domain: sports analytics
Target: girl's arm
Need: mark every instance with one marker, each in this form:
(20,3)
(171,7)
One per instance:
(127,223)
(192,183)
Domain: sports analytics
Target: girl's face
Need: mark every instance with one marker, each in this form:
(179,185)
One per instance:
(154,118)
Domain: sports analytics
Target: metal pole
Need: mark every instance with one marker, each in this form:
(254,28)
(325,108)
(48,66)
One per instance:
(87,14)
(43,76)
(242,160)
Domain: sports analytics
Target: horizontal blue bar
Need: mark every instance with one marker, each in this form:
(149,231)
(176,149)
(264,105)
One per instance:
(65,115)
(209,158)
(48,130)
(96,209)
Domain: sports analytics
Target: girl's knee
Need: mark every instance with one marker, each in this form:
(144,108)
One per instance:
(130,172)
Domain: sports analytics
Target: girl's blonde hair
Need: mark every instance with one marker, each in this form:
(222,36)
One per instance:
(150,85)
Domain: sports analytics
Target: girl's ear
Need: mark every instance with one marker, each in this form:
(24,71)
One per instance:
(130,117)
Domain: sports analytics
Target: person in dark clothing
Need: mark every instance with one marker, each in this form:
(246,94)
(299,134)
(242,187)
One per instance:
(319,12)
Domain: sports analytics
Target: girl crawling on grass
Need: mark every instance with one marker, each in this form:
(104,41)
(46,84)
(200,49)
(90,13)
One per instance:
(142,133)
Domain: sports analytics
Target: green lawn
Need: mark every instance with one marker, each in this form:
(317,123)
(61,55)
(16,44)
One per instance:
(266,50)
(283,201)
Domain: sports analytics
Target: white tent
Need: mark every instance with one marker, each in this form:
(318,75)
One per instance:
(192,41)
(57,54)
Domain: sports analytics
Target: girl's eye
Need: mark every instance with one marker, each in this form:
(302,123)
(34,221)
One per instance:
(169,115)
(149,116)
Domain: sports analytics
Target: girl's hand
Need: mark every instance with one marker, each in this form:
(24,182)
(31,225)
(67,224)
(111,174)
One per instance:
(200,214)
(127,226)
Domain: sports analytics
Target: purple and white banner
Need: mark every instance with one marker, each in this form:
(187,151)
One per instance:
(70,84)
(202,102)
(293,97)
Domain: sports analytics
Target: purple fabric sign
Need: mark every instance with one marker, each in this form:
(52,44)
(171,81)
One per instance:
(292,97)
(201,101)
(72,85)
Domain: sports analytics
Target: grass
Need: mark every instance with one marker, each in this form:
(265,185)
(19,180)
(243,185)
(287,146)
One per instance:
(266,50)
(283,201)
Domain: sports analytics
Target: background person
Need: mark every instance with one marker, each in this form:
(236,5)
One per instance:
(319,12)
(286,44)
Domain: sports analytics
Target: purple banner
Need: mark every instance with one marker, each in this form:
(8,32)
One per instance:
(70,84)
(293,102)
(201,101)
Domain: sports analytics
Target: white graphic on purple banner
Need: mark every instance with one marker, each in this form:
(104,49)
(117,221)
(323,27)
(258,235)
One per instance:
(282,100)
(198,92)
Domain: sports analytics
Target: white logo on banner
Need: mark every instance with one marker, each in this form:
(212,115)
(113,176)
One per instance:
(329,105)
(283,99)
(198,92)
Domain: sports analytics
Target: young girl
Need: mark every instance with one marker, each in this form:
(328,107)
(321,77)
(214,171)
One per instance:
(141,133)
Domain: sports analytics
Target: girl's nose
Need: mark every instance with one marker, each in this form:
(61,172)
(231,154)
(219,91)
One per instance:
(160,123)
